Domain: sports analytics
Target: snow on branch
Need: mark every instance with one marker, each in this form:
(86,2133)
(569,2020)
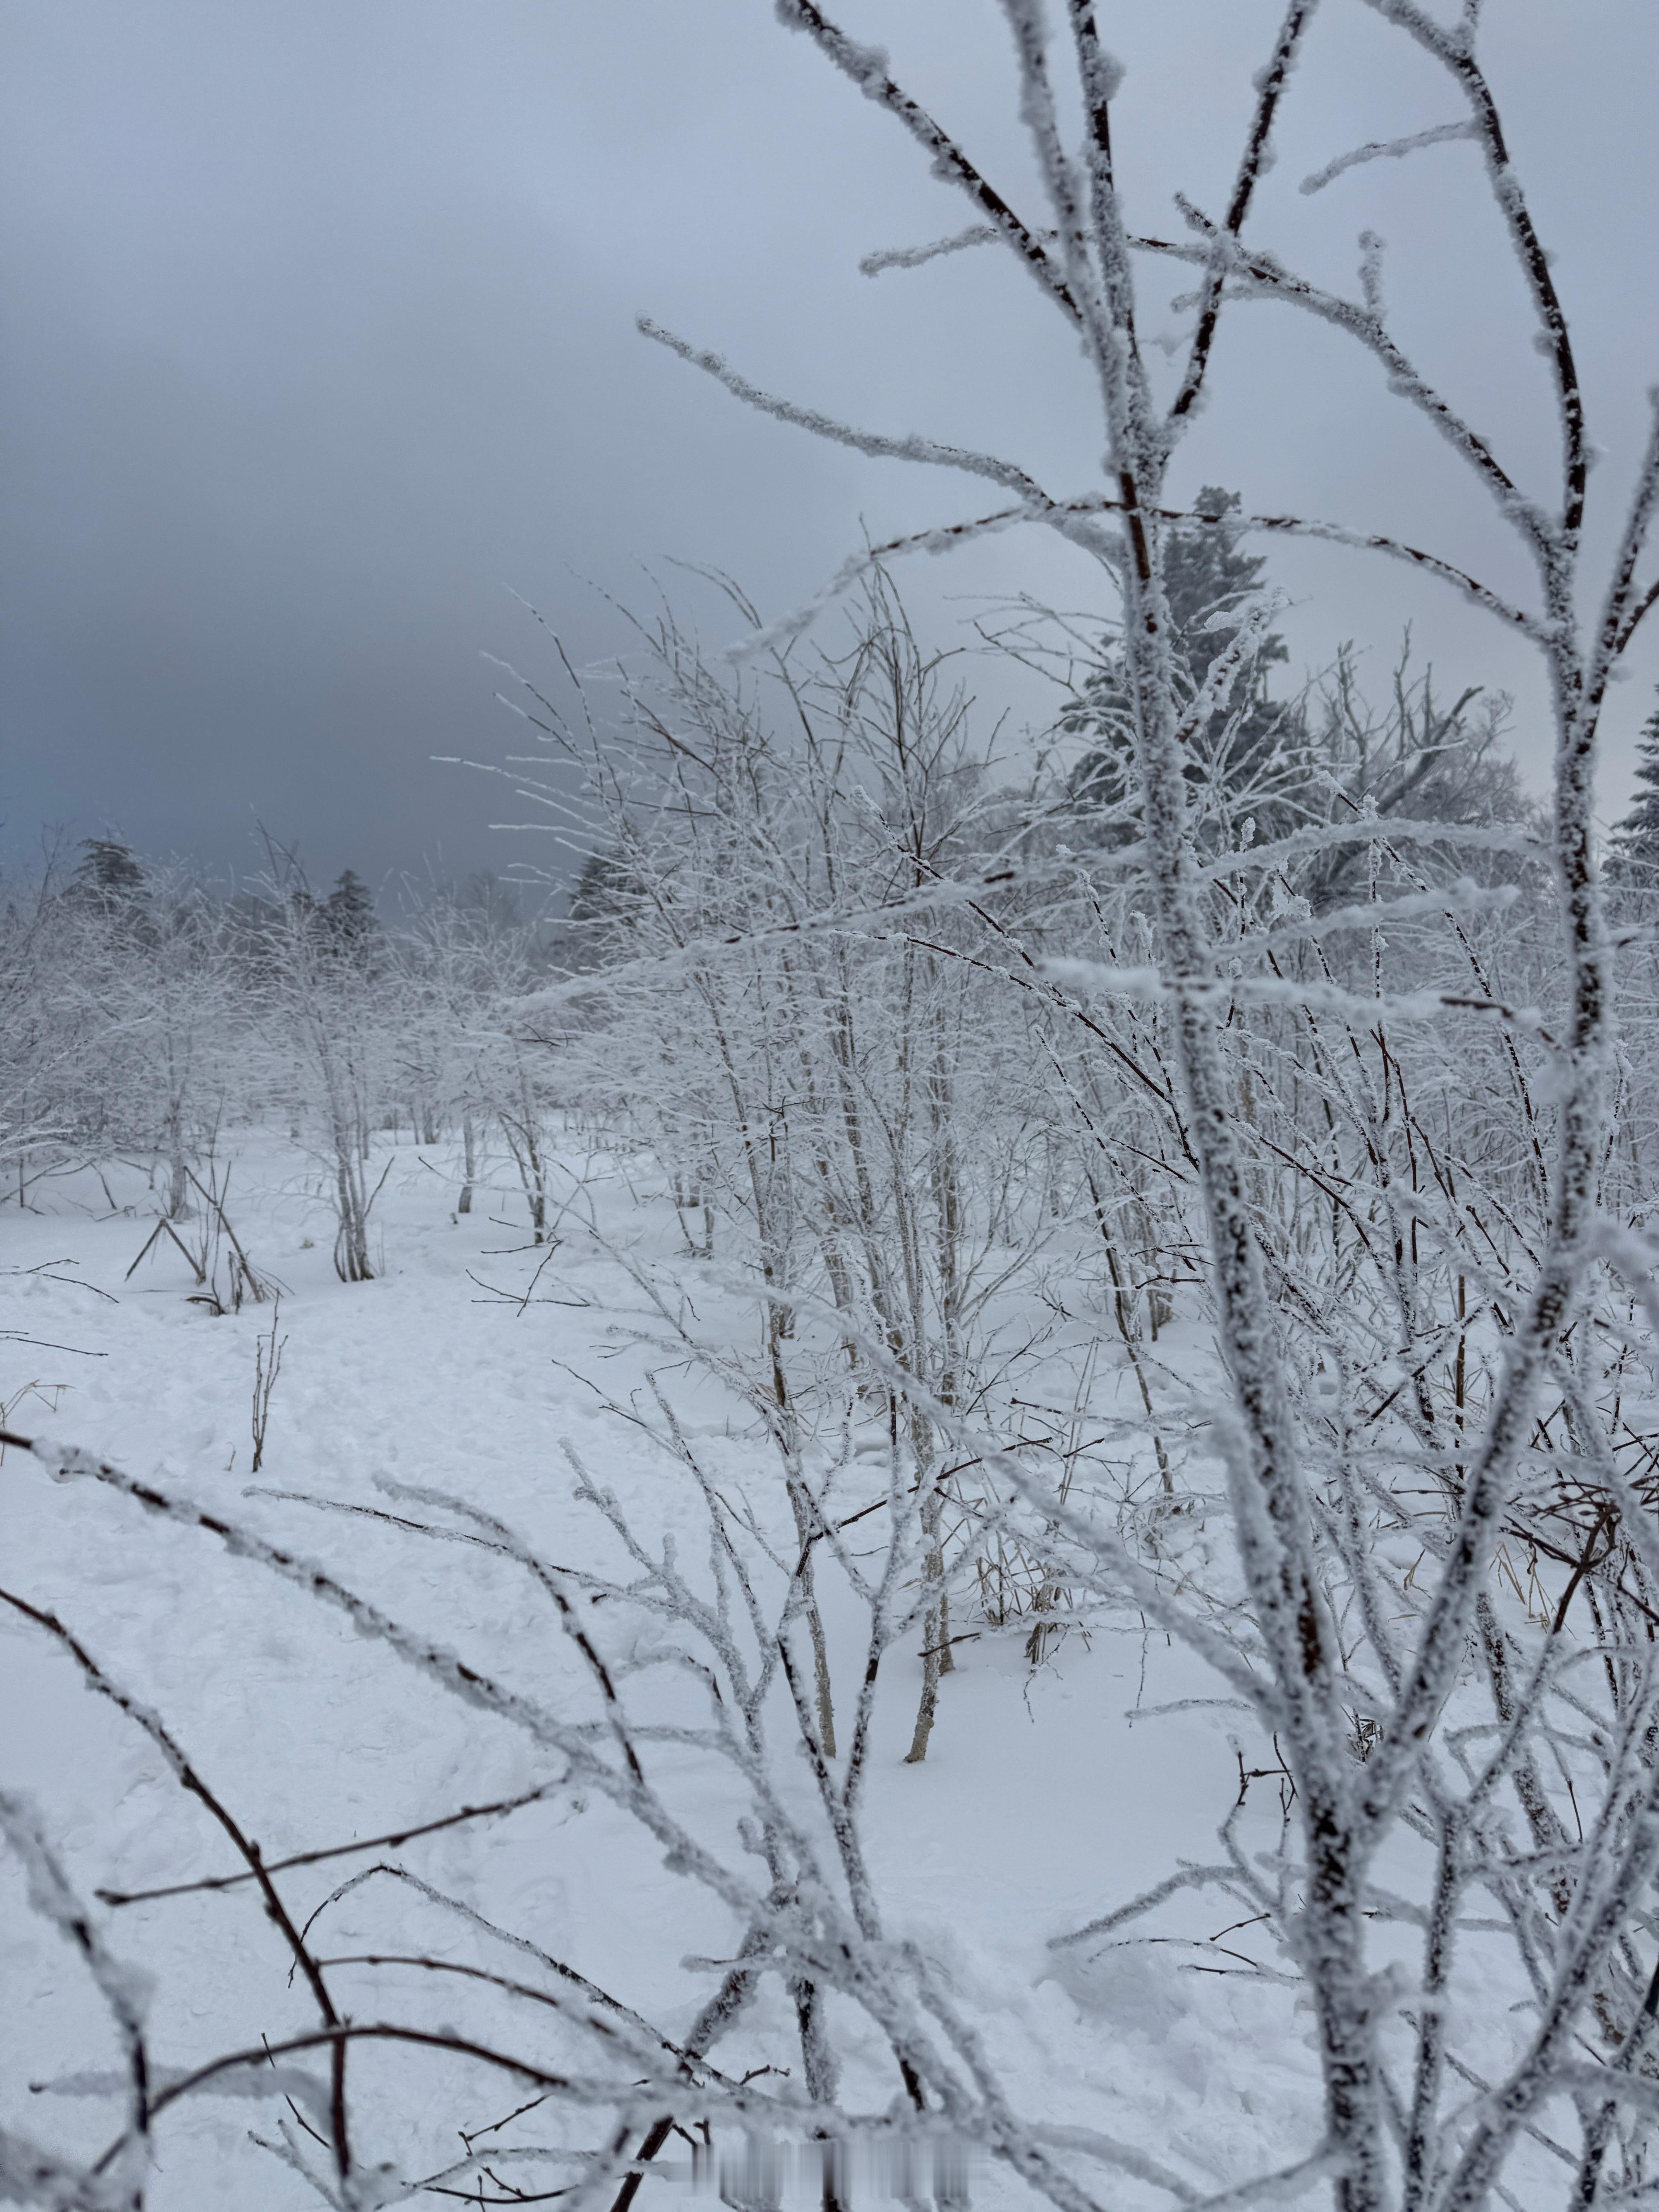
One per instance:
(1623,610)
(1390,149)
(1279,851)
(1270,86)
(1219,991)
(866,66)
(125,1990)
(871,442)
(1072,518)
(1068,516)
(1262,275)
(1455,49)
(914,257)
(1249,626)
(1463,897)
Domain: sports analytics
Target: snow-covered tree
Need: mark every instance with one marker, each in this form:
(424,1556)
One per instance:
(348,913)
(1250,750)
(1635,861)
(109,875)
(321,990)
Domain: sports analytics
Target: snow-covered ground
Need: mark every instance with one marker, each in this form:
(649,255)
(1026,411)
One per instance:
(1043,1802)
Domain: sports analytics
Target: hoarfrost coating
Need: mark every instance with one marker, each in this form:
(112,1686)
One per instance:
(954,1193)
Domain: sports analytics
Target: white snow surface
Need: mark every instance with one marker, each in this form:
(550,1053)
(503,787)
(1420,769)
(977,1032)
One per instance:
(1043,1801)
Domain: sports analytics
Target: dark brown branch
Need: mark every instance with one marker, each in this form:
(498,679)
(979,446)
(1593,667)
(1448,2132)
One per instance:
(190,1780)
(865,66)
(118,1896)
(1270,90)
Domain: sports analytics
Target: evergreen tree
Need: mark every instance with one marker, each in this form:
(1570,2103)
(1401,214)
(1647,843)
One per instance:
(1207,573)
(108,875)
(602,888)
(1634,859)
(110,891)
(348,913)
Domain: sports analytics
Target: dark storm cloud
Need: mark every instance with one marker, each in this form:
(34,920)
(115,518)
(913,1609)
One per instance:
(320,333)
(321,330)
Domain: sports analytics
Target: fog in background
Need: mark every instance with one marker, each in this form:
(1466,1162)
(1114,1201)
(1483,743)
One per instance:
(320,336)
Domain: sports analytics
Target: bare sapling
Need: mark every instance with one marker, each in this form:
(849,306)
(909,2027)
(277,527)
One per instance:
(518,1114)
(325,988)
(214,1249)
(244,1279)
(267,1366)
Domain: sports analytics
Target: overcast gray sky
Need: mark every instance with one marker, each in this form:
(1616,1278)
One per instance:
(319,335)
